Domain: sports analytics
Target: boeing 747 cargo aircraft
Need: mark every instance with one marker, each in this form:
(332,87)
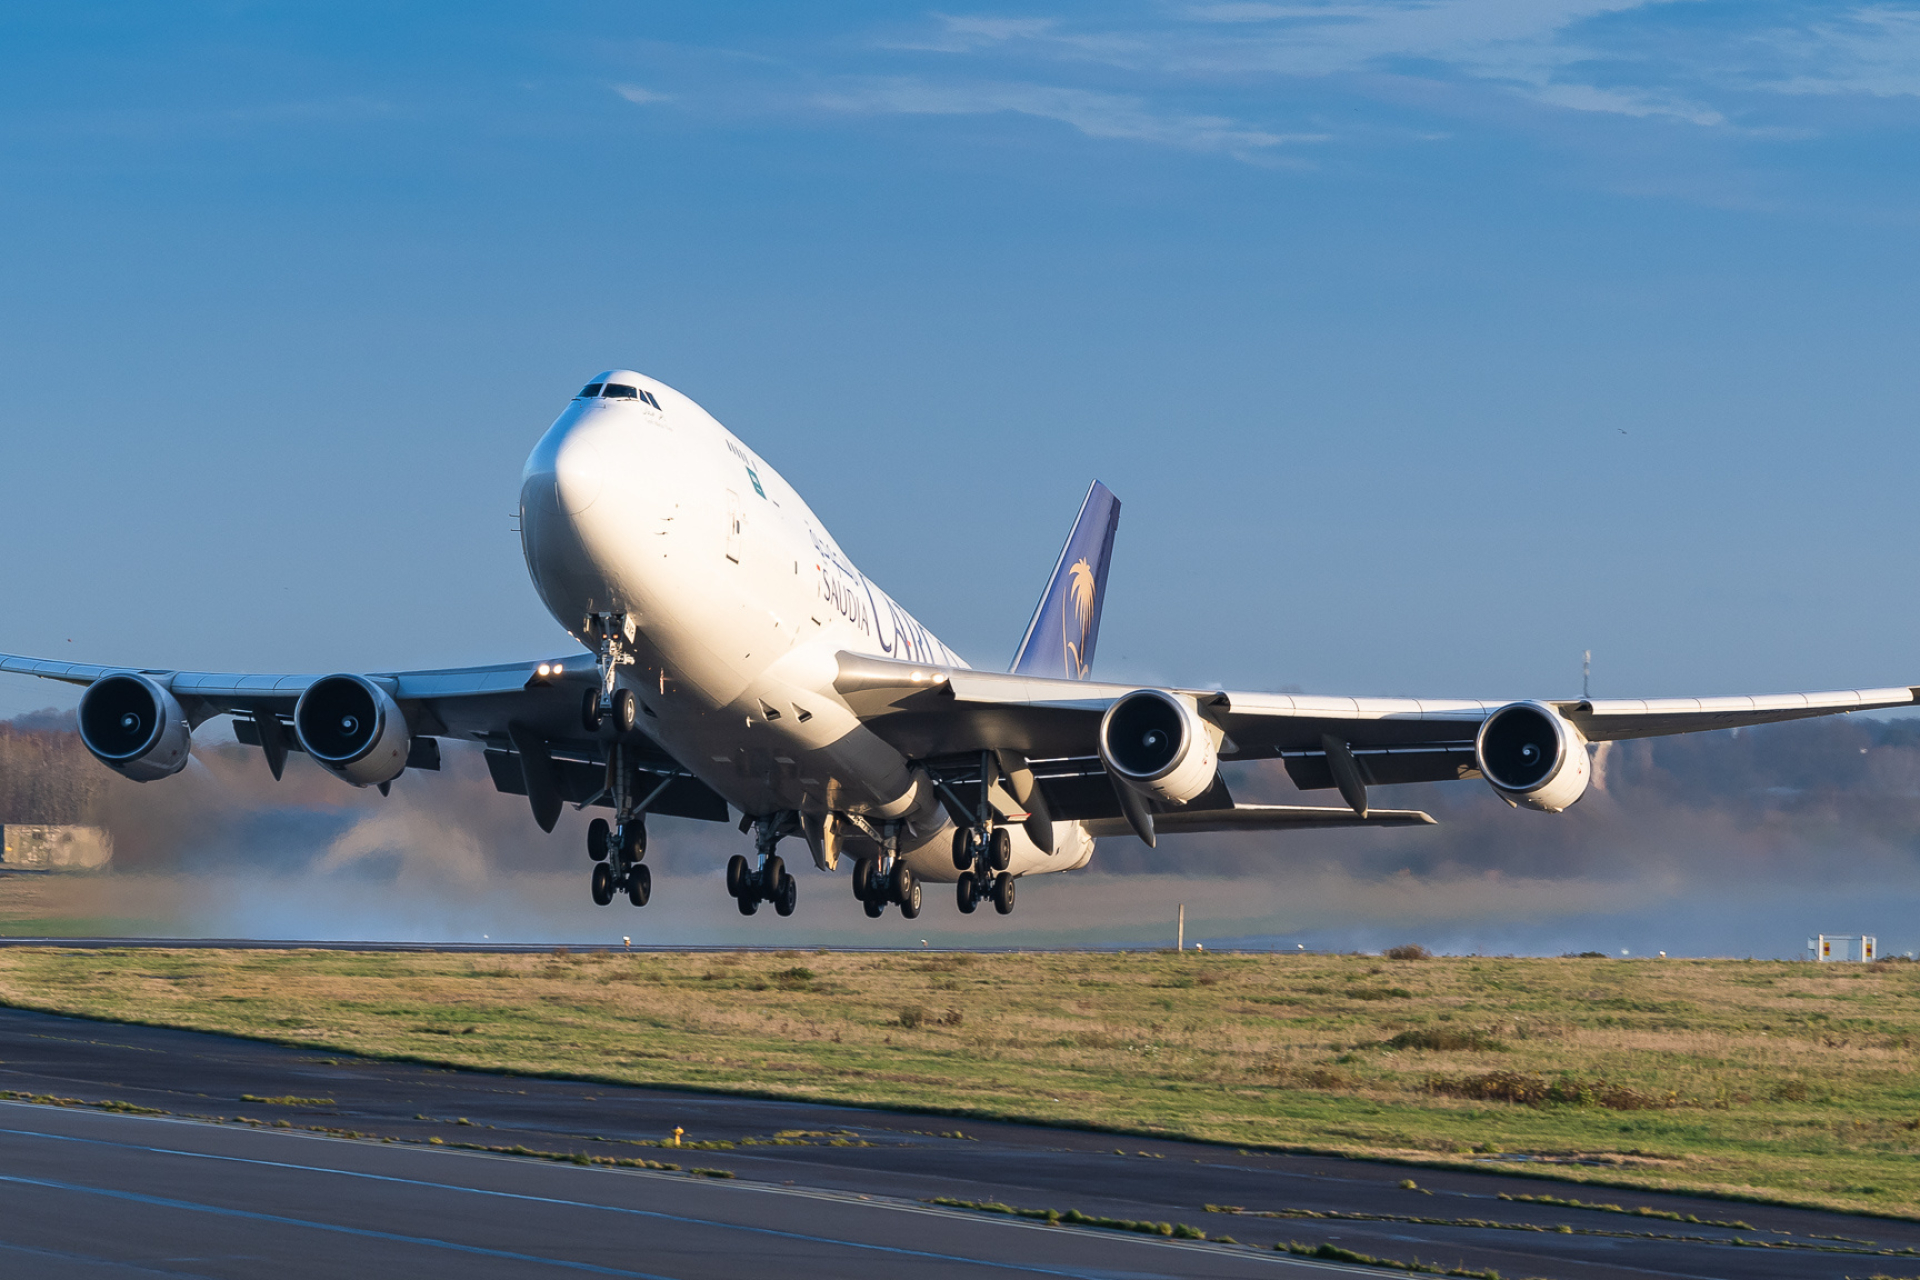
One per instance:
(734,660)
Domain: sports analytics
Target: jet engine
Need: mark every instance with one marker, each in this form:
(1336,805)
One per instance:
(135,727)
(1532,756)
(353,728)
(1158,745)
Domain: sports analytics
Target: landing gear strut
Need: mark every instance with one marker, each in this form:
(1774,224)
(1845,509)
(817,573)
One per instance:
(770,881)
(616,854)
(617,848)
(886,879)
(983,852)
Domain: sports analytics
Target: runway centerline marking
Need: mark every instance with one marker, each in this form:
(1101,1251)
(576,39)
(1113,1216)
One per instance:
(1031,1269)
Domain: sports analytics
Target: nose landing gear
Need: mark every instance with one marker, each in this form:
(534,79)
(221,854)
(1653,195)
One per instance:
(771,882)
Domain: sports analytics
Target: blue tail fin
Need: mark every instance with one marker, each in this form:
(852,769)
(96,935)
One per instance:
(1059,640)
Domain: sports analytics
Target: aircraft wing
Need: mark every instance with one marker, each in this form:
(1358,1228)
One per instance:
(528,723)
(933,713)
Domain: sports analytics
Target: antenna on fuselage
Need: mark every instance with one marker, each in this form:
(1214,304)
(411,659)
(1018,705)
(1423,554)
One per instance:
(1586,675)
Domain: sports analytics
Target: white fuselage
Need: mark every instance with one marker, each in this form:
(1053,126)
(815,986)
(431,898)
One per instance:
(739,600)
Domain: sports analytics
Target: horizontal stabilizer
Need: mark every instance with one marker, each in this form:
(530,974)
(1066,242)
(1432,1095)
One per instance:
(1261,817)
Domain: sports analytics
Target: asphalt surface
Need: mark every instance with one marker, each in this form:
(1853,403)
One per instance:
(263,1159)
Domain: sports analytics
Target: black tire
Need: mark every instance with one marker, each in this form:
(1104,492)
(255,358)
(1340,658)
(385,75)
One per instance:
(590,711)
(599,837)
(602,884)
(749,905)
(1003,894)
(900,883)
(626,710)
(910,903)
(1000,849)
(964,892)
(874,909)
(770,876)
(789,894)
(737,874)
(962,849)
(633,839)
(639,886)
(862,872)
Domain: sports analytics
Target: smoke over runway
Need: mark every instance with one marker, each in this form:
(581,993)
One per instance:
(1716,844)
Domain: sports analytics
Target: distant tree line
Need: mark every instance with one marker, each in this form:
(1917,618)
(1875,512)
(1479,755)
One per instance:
(46,776)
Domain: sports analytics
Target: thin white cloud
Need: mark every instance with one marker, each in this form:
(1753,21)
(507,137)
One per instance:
(1095,114)
(634,93)
(1873,50)
(1544,50)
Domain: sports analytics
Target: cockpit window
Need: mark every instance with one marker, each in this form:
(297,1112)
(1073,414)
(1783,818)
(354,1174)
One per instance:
(621,391)
(591,390)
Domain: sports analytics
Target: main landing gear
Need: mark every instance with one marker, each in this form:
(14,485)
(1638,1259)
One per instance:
(618,847)
(982,855)
(771,881)
(983,848)
(886,879)
(616,854)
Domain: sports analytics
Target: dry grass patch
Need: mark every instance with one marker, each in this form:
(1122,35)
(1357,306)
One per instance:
(1748,1078)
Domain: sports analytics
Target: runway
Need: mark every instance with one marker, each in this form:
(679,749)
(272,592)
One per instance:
(247,1168)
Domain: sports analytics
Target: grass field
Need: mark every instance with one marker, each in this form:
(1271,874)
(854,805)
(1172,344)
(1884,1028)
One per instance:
(1788,1082)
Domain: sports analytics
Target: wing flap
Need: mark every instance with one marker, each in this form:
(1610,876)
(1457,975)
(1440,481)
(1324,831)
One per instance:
(1261,817)
(579,782)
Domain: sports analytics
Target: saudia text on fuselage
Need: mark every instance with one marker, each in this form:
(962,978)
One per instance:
(864,605)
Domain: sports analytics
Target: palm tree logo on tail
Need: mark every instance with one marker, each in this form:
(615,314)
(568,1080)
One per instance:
(1080,590)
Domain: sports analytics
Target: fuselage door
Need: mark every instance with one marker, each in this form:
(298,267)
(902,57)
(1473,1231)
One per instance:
(734,520)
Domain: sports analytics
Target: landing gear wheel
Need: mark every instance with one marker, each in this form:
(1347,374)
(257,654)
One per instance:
(1000,849)
(787,895)
(737,874)
(910,901)
(1003,894)
(874,909)
(590,711)
(625,710)
(602,884)
(599,836)
(772,872)
(962,849)
(968,896)
(862,872)
(633,839)
(900,883)
(639,886)
(749,905)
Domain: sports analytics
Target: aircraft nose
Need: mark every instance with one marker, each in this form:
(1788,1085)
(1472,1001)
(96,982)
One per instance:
(578,472)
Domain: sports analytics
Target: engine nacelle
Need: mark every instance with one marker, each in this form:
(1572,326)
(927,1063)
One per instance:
(135,727)
(353,728)
(1158,745)
(1532,756)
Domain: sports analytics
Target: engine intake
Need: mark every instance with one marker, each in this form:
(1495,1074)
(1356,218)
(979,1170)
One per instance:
(1158,745)
(135,727)
(1532,756)
(353,728)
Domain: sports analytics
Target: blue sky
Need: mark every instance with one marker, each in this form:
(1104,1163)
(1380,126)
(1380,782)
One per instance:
(1427,344)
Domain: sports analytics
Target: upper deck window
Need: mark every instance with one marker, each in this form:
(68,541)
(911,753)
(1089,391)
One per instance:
(589,391)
